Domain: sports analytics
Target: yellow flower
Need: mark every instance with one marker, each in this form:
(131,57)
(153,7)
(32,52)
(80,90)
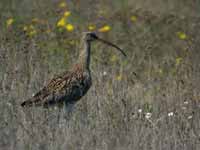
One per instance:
(133,18)
(105,28)
(61,22)
(181,35)
(91,27)
(119,77)
(160,71)
(31,27)
(25,28)
(35,20)
(30,30)
(67,13)
(32,33)
(9,22)
(62,4)
(69,27)
(113,58)
(178,60)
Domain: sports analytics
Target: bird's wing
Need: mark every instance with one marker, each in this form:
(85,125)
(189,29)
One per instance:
(52,92)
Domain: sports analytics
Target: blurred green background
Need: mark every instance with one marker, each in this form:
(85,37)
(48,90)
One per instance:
(149,100)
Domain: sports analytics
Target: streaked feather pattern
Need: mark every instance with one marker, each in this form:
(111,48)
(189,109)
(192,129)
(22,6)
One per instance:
(68,88)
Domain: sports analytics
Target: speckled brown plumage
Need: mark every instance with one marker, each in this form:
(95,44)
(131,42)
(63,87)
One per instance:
(68,88)
(72,85)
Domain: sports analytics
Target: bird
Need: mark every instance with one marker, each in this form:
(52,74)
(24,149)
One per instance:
(72,85)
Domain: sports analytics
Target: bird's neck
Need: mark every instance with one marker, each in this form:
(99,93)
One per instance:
(84,56)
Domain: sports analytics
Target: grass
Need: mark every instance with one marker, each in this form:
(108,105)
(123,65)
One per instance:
(150,100)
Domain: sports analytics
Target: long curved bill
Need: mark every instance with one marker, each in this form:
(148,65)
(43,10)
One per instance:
(111,44)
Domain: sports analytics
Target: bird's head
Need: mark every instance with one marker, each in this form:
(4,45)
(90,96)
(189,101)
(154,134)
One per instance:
(91,36)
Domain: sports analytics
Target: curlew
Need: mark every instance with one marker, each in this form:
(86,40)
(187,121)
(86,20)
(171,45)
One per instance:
(73,84)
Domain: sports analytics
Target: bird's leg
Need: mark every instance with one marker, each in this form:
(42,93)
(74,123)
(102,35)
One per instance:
(52,108)
(60,107)
(68,109)
(58,116)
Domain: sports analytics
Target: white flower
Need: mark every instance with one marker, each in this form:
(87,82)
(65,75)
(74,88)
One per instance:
(170,114)
(148,115)
(9,104)
(139,110)
(190,117)
(104,73)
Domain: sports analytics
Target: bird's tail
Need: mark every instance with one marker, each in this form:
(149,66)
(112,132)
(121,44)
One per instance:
(30,102)
(27,103)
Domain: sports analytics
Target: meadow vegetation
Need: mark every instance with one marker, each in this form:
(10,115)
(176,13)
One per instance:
(147,101)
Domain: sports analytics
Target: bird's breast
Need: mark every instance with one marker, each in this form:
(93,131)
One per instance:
(86,83)
(80,85)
